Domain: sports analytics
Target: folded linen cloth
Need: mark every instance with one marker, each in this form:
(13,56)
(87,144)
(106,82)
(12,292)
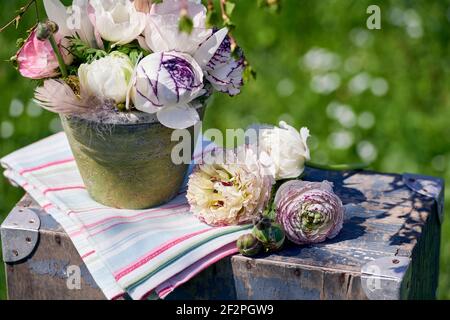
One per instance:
(142,253)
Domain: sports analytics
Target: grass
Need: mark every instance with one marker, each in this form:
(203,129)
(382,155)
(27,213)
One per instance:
(373,95)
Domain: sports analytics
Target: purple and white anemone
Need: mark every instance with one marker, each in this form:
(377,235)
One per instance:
(224,71)
(165,83)
(309,212)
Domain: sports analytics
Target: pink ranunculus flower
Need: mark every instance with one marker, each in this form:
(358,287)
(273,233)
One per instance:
(37,60)
(309,212)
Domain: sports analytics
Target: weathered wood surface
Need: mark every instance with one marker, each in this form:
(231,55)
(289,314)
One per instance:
(384,218)
(43,275)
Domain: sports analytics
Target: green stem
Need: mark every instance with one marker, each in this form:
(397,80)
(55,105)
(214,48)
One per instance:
(62,64)
(337,167)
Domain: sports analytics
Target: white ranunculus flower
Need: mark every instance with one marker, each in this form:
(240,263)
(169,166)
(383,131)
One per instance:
(165,83)
(287,148)
(118,21)
(107,78)
(162,30)
(230,188)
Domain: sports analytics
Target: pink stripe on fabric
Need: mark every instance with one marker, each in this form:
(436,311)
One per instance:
(49,164)
(77,233)
(100,222)
(48,205)
(156,252)
(63,189)
(87,254)
(149,210)
(125,222)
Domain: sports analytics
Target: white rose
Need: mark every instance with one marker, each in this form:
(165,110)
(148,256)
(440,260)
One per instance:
(107,78)
(118,21)
(162,30)
(165,83)
(287,148)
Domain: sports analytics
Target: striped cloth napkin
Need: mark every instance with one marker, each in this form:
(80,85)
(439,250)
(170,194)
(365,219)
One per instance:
(144,254)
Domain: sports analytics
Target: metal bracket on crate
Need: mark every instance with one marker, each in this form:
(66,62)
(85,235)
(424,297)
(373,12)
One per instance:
(429,187)
(386,278)
(19,234)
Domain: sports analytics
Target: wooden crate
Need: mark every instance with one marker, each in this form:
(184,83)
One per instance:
(388,249)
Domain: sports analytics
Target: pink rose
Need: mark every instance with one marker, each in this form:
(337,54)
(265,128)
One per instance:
(37,60)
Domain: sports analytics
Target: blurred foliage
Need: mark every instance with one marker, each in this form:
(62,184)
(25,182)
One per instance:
(374,95)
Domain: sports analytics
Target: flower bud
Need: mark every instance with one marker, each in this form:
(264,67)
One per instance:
(45,30)
(263,223)
(248,245)
(272,237)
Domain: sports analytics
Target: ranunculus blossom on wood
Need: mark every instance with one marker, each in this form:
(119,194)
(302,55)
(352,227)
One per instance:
(287,147)
(310,212)
(230,188)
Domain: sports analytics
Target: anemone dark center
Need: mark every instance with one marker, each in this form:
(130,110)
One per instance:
(180,71)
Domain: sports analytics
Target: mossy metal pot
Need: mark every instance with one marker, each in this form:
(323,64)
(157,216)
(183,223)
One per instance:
(126,164)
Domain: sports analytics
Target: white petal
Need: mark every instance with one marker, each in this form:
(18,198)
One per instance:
(304,133)
(178,117)
(118,32)
(208,48)
(57,12)
(86,31)
(143,44)
(154,35)
(162,34)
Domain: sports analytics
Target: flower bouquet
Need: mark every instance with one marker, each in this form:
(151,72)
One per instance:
(123,75)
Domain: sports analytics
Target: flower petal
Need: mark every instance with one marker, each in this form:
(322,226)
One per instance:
(86,28)
(57,12)
(178,117)
(208,48)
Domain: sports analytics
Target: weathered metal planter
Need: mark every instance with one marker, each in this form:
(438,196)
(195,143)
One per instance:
(126,164)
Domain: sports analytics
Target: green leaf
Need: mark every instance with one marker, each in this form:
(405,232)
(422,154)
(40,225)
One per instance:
(212,18)
(186,24)
(229,24)
(229,8)
(14,62)
(249,74)
(83,52)
(20,42)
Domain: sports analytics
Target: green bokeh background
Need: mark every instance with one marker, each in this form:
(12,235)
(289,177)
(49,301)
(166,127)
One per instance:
(374,95)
